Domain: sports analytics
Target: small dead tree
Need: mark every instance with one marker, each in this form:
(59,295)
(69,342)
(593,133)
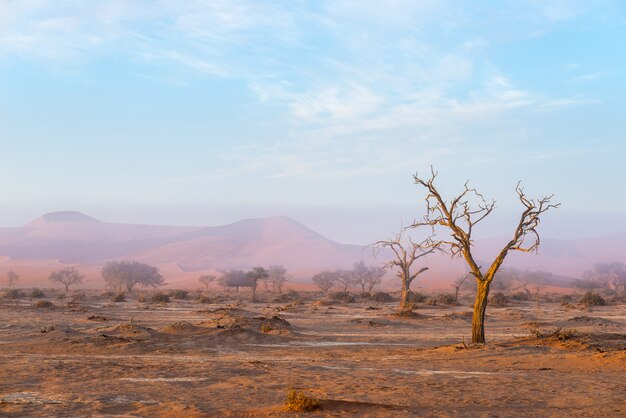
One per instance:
(12,278)
(612,275)
(406,252)
(278,277)
(367,276)
(325,280)
(458,283)
(460,215)
(66,276)
(206,280)
(345,279)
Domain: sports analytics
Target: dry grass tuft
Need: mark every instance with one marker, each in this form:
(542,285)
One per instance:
(299,401)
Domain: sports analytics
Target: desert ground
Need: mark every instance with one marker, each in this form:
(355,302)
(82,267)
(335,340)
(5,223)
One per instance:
(221,355)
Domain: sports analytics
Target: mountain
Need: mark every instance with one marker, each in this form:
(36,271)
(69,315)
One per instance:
(72,237)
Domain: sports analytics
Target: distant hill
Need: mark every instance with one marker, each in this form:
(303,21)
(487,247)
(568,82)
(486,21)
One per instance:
(73,237)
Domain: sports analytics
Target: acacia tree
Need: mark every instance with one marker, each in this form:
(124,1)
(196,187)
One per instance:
(460,215)
(256,275)
(367,276)
(610,274)
(278,277)
(206,280)
(406,252)
(125,275)
(12,278)
(345,279)
(233,279)
(66,276)
(325,280)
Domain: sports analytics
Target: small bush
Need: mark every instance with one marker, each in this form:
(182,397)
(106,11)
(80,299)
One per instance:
(498,300)
(44,304)
(289,296)
(36,294)
(179,294)
(142,298)
(160,297)
(382,297)
(266,328)
(417,297)
(120,297)
(298,401)
(592,299)
(520,296)
(346,297)
(447,299)
(79,295)
(203,299)
(13,294)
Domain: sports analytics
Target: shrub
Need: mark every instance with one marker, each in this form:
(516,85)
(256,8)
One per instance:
(120,297)
(592,299)
(298,401)
(179,294)
(44,304)
(266,328)
(566,299)
(498,300)
(346,297)
(13,294)
(289,296)
(203,299)
(160,297)
(382,297)
(417,297)
(521,296)
(447,299)
(36,294)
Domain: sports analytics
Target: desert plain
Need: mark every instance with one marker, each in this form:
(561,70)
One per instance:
(221,355)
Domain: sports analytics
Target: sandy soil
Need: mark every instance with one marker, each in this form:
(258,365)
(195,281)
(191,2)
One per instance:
(187,359)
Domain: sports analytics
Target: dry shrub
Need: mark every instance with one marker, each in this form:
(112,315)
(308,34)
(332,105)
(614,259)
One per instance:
(498,300)
(44,304)
(36,294)
(520,296)
(299,401)
(446,299)
(13,294)
(382,297)
(266,328)
(179,294)
(203,299)
(120,297)
(417,297)
(160,297)
(289,296)
(346,297)
(592,299)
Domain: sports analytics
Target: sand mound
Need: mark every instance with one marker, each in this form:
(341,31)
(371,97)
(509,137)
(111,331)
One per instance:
(181,327)
(129,329)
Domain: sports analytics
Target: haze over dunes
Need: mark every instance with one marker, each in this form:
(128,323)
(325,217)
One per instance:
(75,238)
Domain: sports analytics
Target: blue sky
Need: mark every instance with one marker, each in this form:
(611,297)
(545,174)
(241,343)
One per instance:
(204,112)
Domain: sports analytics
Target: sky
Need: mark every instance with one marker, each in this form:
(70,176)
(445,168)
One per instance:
(205,112)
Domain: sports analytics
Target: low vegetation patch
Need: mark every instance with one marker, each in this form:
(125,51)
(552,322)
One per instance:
(120,297)
(382,297)
(179,294)
(160,297)
(446,299)
(298,401)
(417,297)
(44,304)
(592,299)
(498,300)
(346,297)
(36,294)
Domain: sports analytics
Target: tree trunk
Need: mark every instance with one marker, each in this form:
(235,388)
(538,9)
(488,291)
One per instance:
(478,319)
(253,294)
(406,294)
(67,286)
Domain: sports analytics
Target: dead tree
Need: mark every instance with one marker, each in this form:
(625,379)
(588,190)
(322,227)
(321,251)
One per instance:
(460,215)
(406,252)
(458,283)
